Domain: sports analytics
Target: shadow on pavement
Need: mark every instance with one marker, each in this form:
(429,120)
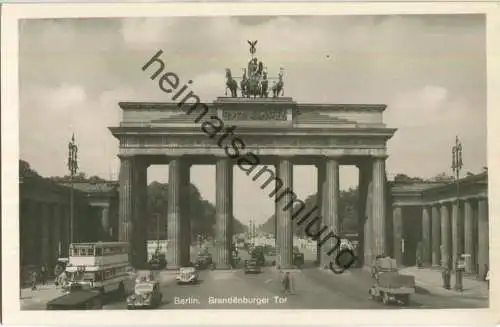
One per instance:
(421,290)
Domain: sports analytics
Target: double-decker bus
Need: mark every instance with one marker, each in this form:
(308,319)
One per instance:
(103,266)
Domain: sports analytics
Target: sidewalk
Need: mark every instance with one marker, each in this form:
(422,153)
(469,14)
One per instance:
(431,280)
(36,300)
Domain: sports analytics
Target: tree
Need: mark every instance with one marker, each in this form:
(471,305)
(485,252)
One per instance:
(201,212)
(348,213)
(403,178)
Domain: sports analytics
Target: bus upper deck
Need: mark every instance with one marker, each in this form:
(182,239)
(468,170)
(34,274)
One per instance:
(97,254)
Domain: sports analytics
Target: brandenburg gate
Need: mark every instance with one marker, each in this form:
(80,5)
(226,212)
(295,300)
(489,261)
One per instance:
(253,131)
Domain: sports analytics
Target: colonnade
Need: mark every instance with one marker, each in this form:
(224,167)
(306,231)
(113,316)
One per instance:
(450,228)
(132,208)
(44,232)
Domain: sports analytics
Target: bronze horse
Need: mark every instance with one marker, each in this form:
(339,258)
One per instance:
(278,87)
(243,83)
(263,85)
(231,84)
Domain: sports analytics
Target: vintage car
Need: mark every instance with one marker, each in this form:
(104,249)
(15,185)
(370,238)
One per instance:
(146,294)
(187,275)
(390,285)
(298,257)
(252,267)
(77,300)
(158,261)
(203,261)
(258,254)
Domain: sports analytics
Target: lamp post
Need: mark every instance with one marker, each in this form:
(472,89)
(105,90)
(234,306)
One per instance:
(456,167)
(73,168)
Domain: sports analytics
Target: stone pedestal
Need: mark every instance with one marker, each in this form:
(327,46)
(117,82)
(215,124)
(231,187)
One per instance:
(397,222)
(436,237)
(426,236)
(379,207)
(469,236)
(284,214)
(224,213)
(445,237)
(174,255)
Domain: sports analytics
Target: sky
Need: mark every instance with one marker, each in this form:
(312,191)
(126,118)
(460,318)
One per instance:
(429,70)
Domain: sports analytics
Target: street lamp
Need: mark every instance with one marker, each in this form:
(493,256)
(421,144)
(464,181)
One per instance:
(456,166)
(73,168)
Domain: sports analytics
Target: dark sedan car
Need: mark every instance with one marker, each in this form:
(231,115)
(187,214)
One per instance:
(252,267)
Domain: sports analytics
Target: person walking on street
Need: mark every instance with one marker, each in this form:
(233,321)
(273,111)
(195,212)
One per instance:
(487,275)
(43,275)
(33,280)
(286,283)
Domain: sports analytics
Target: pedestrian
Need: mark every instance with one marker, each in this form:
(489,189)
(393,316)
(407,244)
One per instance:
(487,275)
(286,283)
(57,272)
(33,280)
(43,275)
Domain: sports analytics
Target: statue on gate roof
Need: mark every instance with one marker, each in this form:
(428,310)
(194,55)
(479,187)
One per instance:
(255,80)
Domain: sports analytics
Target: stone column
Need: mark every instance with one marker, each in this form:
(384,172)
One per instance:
(445,236)
(56,227)
(456,240)
(379,206)
(140,219)
(364,173)
(331,211)
(469,236)
(368,226)
(224,212)
(105,220)
(320,184)
(436,236)
(174,236)
(45,221)
(185,214)
(426,236)
(125,210)
(284,213)
(397,222)
(483,236)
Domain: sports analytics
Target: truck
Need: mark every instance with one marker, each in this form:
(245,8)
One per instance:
(389,285)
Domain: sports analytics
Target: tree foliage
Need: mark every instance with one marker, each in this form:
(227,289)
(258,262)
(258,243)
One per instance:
(80,177)
(348,209)
(201,211)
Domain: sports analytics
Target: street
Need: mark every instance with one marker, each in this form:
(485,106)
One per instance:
(312,288)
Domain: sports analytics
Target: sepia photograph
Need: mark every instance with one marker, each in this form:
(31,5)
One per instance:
(243,162)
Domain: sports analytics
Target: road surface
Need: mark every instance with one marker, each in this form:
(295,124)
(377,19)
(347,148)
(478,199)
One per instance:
(312,289)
